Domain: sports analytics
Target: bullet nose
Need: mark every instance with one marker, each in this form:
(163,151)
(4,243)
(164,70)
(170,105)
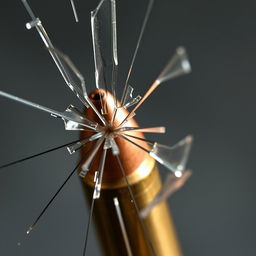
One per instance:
(130,155)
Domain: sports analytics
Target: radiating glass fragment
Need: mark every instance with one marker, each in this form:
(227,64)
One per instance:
(114,146)
(91,155)
(74,10)
(57,56)
(177,66)
(53,112)
(122,226)
(173,158)
(171,185)
(158,129)
(98,182)
(129,100)
(105,46)
(63,63)
(81,120)
(145,20)
(76,146)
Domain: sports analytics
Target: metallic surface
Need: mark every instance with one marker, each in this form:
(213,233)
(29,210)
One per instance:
(143,176)
(158,224)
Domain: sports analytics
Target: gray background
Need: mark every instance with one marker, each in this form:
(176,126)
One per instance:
(215,211)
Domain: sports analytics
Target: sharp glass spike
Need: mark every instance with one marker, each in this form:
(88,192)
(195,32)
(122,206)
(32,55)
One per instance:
(129,100)
(158,129)
(145,20)
(105,47)
(54,113)
(177,66)
(173,158)
(29,10)
(74,10)
(98,182)
(78,145)
(38,154)
(31,227)
(90,157)
(80,118)
(134,143)
(144,228)
(88,226)
(60,60)
(122,226)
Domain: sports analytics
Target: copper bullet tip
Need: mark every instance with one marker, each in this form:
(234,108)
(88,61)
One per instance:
(130,155)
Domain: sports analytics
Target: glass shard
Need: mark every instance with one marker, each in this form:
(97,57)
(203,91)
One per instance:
(63,63)
(173,158)
(105,46)
(122,226)
(29,10)
(129,100)
(98,182)
(81,121)
(76,146)
(58,58)
(177,66)
(171,185)
(145,20)
(158,129)
(74,10)
(90,157)
(53,112)
(114,146)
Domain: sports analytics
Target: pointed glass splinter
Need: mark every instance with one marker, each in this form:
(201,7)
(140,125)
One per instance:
(177,66)
(98,178)
(122,226)
(63,63)
(74,10)
(86,165)
(82,121)
(173,158)
(104,46)
(76,146)
(158,129)
(171,185)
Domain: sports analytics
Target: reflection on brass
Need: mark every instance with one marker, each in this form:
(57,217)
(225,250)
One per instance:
(143,176)
(159,223)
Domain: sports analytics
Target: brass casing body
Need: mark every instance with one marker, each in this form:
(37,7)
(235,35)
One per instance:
(145,183)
